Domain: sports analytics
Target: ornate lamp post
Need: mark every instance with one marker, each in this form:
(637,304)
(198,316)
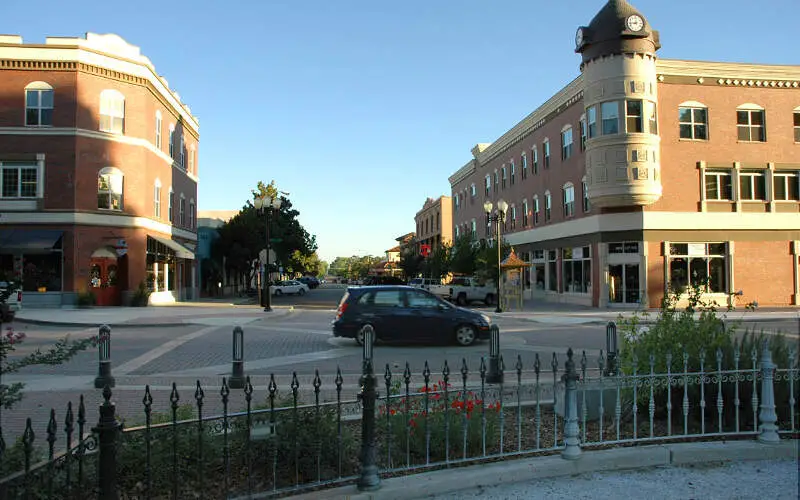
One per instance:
(499,219)
(265,204)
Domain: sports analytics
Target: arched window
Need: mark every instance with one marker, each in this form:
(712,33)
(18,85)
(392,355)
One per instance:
(524,213)
(548,206)
(182,211)
(171,205)
(693,120)
(112,112)
(566,142)
(751,123)
(536,210)
(568,199)
(109,189)
(157,199)
(38,105)
(585,192)
(172,140)
(191,213)
(158,130)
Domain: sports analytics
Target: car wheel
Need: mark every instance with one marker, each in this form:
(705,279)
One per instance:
(489,299)
(360,334)
(301,292)
(278,292)
(461,299)
(465,335)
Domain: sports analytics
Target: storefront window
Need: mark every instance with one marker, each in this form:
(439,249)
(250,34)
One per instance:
(38,271)
(552,271)
(698,264)
(160,266)
(577,269)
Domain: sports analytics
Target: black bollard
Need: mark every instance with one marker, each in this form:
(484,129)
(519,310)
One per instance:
(107,432)
(104,377)
(495,375)
(237,379)
(611,349)
(369,479)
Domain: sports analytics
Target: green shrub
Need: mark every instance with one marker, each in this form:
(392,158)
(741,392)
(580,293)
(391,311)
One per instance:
(141,296)
(86,299)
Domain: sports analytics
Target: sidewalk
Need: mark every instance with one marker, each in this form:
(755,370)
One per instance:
(182,313)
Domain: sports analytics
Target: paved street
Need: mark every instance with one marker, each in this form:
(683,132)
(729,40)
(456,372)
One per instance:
(194,343)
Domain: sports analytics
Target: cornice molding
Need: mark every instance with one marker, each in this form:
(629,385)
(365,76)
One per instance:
(68,57)
(735,74)
(95,219)
(94,134)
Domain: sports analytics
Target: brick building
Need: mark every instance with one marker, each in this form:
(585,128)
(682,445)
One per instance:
(434,222)
(98,173)
(644,173)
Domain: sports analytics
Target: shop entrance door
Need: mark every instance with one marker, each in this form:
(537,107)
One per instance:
(104,280)
(623,284)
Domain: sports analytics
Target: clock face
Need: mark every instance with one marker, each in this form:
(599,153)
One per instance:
(634,23)
(579,37)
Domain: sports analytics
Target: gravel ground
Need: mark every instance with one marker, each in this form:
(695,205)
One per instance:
(741,480)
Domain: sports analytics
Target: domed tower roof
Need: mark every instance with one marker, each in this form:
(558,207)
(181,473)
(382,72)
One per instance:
(618,28)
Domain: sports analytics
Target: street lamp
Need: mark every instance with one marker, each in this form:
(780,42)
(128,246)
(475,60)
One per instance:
(500,218)
(265,204)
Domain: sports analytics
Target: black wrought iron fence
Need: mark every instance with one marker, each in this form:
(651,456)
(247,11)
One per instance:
(294,438)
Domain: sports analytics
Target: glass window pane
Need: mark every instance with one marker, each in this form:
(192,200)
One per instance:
(756,117)
(32,116)
(712,189)
(609,112)
(102,200)
(746,187)
(700,132)
(679,249)
(700,115)
(797,119)
(743,133)
(727,187)
(742,118)
(760,134)
(685,115)
(698,271)
(794,188)
(46,116)
(717,280)
(780,187)
(46,98)
(32,98)
(678,273)
(686,132)
(760,187)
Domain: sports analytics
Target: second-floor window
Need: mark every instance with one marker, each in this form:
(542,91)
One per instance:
(693,122)
(158,130)
(569,200)
(546,152)
(513,217)
(787,186)
(752,186)
(19,180)
(112,112)
(172,141)
(548,206)
(191,214)
(591,121)
(583,134)
(38,105)
(525,164)
(796,117)
(171,205)
(609,115)
(718,186)
(525,213)
(157,199)
(535,210)
(191,159)
(633,116)
(535,160)
(182,211)
(586,204)
(109,189)
(750,125)
(182,152)
(513,173)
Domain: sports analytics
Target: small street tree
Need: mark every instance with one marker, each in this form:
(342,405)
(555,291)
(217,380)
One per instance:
(437,264)
(410,263)
(463,256)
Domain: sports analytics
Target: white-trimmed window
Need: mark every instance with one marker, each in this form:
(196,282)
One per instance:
(110,182)
(576,267)
(504,176)
(182,211)
(525,213)
(191,213)
(693,121)
(652,117)
(548,206)
(513,173)
(112,111)
(157,199)
(158,130)
(566,142)
(536,210)
(191,159)
(39,105)
(19,179)
(718,185)
(182,153)
(568,196)
(487,186)
(609,116)
(171,205)
(456,202)
(633,116)
(751,123)
(591,121)
(513,217)
(472,190)
(172,140)
(474,229)
(546,153)
(796,118)
(587,206)
(583,133)
(752,186)
(535,167)
(698,264)
(524,167)
(787,186)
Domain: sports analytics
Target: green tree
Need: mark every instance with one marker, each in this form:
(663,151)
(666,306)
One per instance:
(437,264)
(410,263)
(463,256)
(486,260)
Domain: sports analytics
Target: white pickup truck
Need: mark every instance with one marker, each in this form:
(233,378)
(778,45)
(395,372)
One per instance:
(464,290)
(13,302)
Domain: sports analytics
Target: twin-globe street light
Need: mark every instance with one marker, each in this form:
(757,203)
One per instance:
(265,204)
(500,218)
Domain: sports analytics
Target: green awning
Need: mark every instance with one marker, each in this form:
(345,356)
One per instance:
(181,251)
(30,240)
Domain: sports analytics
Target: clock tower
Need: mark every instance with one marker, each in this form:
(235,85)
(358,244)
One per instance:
(620,98)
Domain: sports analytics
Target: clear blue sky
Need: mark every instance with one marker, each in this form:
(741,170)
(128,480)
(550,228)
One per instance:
(362,109)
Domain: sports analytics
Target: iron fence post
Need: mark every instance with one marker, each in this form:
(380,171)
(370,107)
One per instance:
(611,349)
(495,375)
(768,431)
(368,479)
(236,380)
(572,449)
(104,377)
(107,431)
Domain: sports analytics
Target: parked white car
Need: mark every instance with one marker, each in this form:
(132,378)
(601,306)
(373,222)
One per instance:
(291,287)
(13,302)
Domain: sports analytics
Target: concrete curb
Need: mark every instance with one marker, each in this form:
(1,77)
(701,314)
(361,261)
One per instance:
(449,481)
(174,323)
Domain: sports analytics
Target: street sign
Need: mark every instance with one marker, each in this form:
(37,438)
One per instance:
(275,240)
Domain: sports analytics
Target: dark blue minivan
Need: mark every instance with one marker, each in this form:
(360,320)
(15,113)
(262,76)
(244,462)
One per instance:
(406,314)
